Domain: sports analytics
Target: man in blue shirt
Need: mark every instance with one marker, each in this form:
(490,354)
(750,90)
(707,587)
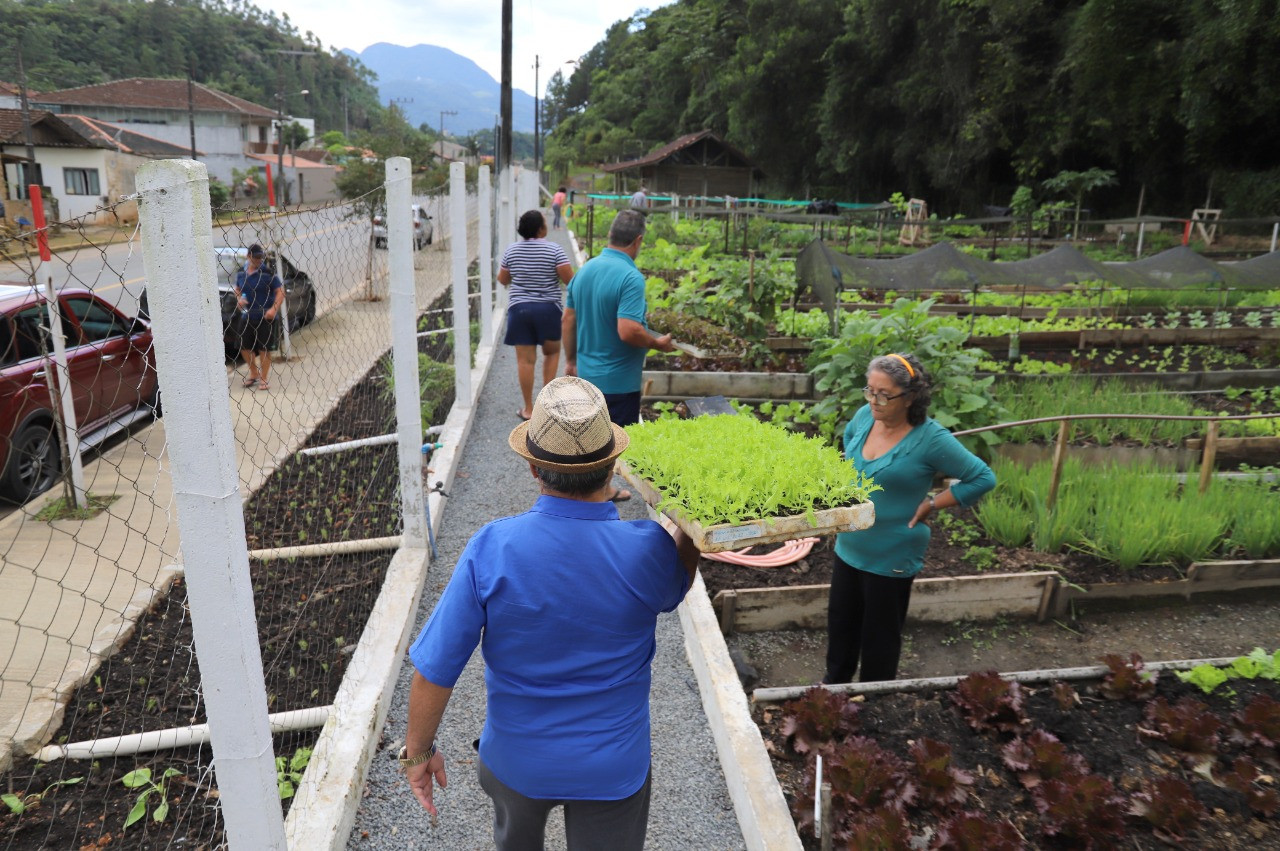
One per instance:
(564,601)
(259,295)
(603,329)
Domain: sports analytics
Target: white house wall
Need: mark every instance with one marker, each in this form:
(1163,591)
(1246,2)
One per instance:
(54,160)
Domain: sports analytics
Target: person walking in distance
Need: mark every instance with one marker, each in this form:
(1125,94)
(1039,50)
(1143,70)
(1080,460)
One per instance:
(259,295)
(535,270)
(564,601)
(604,328)
(557,208)
(639,200)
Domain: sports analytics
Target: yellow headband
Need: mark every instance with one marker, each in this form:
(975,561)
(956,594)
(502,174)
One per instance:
(910,371)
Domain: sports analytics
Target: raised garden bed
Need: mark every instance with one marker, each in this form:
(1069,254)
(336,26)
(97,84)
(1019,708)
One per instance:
(1164,760)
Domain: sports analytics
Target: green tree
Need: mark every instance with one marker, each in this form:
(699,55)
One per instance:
(1077,184)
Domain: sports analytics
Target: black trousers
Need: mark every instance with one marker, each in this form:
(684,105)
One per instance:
(865,614)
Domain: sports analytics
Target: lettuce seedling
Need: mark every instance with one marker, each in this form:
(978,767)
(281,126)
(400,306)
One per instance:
(1169,806)
(942,785)
(729,469)
(1245,778)
(817,719)
(1127,680)
(973,831)
(988,701)
(1258,726)
(1040,756)
(1205,677)
(1085,810)
(884,828)
(865,776)
(1065,696)
(1188,725)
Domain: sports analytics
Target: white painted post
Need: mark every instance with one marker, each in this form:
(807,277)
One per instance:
(1142,229)
(461,305)
(177,251)
(403,301)
(675,207)
(485,205)
(70,429)
(1275,231)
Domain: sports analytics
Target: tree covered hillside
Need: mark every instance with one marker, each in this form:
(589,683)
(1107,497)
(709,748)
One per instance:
(232,46)
(956,101)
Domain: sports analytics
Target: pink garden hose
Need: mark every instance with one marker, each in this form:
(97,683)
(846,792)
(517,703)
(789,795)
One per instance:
(791,551)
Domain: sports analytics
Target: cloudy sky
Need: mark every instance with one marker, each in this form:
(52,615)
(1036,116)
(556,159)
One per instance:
(554,30)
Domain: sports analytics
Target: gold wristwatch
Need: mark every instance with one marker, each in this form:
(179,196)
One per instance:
(406,762)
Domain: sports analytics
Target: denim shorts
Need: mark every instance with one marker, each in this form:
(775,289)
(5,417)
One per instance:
(532,323)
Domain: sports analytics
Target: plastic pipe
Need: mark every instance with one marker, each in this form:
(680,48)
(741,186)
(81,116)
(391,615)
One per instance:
(380,440)
(777,695)
(176,737)
(368,545)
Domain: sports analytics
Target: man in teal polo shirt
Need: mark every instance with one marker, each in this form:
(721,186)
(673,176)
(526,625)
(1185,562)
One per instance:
(603,329)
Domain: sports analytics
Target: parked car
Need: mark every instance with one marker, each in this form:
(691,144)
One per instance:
(423,230)
(299,294)
(113,381)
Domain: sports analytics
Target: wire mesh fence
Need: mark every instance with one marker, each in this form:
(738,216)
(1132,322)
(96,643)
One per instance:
(96,638)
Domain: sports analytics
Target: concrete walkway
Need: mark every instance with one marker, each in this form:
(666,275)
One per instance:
(71,591)
(691,806)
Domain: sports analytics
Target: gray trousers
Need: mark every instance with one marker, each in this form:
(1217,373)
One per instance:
(520,823)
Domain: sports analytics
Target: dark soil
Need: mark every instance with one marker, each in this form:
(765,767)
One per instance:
(310,614)
(1104,732)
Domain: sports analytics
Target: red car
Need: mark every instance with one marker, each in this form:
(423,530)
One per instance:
(113,381)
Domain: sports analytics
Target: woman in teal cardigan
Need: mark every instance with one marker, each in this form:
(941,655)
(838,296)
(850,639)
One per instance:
(893,440)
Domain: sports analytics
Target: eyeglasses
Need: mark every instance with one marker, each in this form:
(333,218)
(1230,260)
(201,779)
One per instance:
(879,396)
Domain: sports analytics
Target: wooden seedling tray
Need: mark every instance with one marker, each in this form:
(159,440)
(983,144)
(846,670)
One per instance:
(762,530)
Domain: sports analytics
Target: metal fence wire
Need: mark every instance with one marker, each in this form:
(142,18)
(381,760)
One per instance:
(102,709)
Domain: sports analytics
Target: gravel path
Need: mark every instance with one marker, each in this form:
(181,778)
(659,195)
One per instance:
(690,807)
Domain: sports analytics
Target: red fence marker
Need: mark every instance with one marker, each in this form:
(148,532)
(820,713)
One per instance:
(271,189)
(37,213)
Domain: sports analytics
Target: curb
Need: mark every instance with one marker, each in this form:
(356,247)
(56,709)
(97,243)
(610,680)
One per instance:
(324,808)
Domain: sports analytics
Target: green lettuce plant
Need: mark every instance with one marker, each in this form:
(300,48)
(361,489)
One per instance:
(733,468)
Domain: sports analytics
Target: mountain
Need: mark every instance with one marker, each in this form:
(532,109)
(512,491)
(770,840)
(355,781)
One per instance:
(426,79)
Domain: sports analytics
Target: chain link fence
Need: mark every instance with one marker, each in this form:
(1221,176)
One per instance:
(103,740)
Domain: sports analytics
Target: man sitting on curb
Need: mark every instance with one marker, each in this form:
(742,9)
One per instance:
(565,600)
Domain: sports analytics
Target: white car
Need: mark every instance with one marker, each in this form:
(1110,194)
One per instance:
(423,231)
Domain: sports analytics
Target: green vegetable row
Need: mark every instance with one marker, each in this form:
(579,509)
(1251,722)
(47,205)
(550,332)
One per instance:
(1130,515)
(731,468)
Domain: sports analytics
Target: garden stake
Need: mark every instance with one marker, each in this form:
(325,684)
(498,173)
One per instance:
(825,797)
(1210,452)
(1059,455)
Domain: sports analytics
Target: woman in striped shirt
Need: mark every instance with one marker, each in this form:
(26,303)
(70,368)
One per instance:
(536,271)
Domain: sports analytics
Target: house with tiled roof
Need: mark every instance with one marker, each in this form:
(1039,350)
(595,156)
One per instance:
(227,128)
(84,164)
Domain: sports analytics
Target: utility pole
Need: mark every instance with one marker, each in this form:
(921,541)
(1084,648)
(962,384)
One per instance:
(443,113)
(505,97)
(537,137)
(29,170)
(191,110)
(280,95)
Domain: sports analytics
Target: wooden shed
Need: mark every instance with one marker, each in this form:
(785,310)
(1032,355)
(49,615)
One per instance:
(695,164)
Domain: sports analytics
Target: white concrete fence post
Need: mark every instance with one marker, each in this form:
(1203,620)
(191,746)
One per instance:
(461,304)
(177,250)
(404,349)
(485,204)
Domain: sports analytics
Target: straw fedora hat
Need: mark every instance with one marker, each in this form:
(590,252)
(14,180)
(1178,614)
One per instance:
(569,431)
